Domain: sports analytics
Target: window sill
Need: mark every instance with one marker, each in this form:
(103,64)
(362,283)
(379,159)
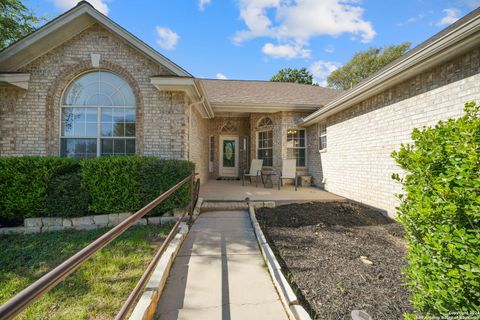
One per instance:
(322,151)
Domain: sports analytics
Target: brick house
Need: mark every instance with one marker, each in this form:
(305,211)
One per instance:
(82,86)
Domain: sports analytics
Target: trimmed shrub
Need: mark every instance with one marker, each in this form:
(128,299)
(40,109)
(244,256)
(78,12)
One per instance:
(113,183)
(125,184)
(157,176)
(440,211)
(62,187)
(66,197)
(24,182)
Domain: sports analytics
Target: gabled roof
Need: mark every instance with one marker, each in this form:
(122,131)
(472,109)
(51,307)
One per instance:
(234,93)
(63,28)
(454,40)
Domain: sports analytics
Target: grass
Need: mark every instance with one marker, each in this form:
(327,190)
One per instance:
(96,290)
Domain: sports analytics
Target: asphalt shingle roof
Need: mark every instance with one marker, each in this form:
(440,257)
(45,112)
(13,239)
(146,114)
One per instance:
(266,92)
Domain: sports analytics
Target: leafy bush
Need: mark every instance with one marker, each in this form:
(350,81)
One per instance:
(121,184)
(53,186)
(66,197)
(157,176)
(24,182)
(112,183)
(440,211)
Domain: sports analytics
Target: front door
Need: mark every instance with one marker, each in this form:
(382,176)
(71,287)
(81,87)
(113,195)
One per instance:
(228,156)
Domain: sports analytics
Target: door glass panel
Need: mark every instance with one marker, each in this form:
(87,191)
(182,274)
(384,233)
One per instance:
(229,153)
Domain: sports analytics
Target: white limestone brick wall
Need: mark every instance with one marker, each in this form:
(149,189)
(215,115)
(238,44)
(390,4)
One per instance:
(358,165)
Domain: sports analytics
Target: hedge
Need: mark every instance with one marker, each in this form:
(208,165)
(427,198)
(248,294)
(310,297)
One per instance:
(24,182)
(440,212)
(61,187)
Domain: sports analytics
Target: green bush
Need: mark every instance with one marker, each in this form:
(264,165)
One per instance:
(157,176)
(440,211)
(53,186)
(113,183)
(24,182)
(125,184)
(66,197)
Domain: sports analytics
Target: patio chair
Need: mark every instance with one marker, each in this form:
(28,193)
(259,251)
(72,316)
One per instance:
(255,171)
(289,171)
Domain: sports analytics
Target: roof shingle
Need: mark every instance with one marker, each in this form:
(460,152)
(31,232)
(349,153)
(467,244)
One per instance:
(265,92)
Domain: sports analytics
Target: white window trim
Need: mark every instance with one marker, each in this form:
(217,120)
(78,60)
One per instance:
(98,137)
(306,148)
(257,147)
(320,135)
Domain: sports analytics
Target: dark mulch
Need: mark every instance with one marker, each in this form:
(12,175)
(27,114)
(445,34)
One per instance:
(319,247)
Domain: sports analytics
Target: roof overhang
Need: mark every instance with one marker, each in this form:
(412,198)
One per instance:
(260,107)
(453,43)
(190,86)
(19,80)
(63,28)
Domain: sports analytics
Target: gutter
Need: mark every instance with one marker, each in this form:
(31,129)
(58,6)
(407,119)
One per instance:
(458,40)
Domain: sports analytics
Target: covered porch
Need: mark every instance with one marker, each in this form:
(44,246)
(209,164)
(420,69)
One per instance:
(221,190)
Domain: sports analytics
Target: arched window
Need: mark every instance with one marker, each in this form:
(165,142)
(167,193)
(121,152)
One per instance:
(265,122)
(229,128)
(98,116)
(265,141)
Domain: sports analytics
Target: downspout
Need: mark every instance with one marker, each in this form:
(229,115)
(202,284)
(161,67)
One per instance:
(190,126)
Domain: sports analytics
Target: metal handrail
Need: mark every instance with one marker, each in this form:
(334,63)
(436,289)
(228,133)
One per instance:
(151,266)
(33,292)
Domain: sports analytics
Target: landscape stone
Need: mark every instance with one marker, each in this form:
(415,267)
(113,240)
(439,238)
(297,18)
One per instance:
(32,222)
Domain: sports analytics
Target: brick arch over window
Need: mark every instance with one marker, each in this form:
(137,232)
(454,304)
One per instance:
(55,93)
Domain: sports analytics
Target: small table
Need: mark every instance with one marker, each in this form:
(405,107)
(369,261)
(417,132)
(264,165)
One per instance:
(267,179)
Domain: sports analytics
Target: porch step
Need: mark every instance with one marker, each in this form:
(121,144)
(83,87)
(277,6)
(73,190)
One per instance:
(234,205)
(223,206)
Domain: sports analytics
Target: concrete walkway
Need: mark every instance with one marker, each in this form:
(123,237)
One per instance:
(219,273)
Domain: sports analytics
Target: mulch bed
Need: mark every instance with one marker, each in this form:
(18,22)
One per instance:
(319,246)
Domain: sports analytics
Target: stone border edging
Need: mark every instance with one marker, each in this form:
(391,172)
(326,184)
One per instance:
(147,304)
(287,296)
(45,224)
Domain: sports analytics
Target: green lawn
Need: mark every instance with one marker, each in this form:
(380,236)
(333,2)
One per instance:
(96,290)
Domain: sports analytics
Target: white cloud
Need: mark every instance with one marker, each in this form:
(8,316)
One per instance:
(413,19)
(221,76)
(451,15)
(285,51)
(100,5)
(321,70)
(298,21)
(329,49)
(166,38)
(202,4)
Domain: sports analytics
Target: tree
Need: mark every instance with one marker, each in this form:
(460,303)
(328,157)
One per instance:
(16,21)
(293,75)
(363,64)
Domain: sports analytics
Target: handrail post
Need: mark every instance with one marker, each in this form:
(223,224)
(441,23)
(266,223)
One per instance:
(192,199)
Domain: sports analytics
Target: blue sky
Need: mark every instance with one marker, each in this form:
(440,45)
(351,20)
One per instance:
(253,39)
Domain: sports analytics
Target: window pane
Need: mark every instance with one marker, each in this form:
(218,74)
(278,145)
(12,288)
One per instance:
(119,146)
(130,146)
(130,115)
(91,129)
(107,114)
(107,129)
(119,129)
(130,129)
(78,148)
(99,88)
(107,147)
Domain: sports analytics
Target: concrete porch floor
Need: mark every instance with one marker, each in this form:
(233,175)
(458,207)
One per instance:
(220,190)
